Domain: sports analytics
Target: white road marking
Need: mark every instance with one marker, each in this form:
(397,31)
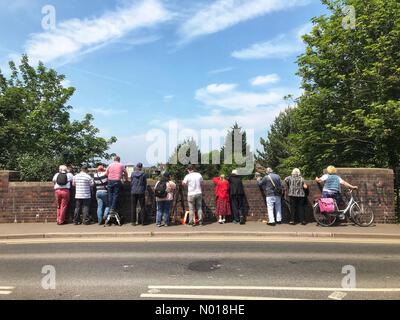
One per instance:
(275,288)
(208,297)
(6,290)
(337,295)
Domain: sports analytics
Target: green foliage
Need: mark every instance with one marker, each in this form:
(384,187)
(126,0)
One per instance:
(349,114)
(204,162)
(36,132)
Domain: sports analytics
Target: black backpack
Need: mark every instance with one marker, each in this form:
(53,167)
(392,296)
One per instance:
(62,179)
(161,189)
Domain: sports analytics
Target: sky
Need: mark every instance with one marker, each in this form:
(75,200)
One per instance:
(154,72)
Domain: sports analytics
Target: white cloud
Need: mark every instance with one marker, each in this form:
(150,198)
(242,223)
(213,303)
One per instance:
(225,96)
(66,83)
(168,97)
(75,36)
(223,14)
(282,46)
(222,70)
(106,112)
(264,80)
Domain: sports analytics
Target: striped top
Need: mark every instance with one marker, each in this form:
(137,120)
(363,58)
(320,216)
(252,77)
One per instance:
(83,183)
(100,181)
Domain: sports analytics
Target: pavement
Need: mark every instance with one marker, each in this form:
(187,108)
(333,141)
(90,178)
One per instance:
(254,230)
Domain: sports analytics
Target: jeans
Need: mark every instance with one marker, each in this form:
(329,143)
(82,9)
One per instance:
(62,198)
(84,204)
(142,214)
(114,187)
(102,205)
(237,207)
(195,203)
(163,208)
(296,209)
(274,202)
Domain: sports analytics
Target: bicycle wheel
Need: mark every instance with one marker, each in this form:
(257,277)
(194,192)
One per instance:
(323,219)
(362,215)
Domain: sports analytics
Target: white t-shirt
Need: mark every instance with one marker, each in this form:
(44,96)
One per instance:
(193,181)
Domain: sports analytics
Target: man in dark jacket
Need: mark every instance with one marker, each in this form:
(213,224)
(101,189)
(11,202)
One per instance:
(138,190)
(272,186)
(236,193)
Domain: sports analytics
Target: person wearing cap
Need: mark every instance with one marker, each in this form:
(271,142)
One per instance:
(138,194)
(164,203)
(83,195)
(222,205)
(101,181)
(115,172)
(236,194)
(62,193)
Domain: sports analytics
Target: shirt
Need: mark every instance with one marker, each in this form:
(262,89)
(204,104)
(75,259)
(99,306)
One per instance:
(170,191)
(100,181)
(114,171)
(296,186)
(193,181)
(268,186)
(70,176)
(332,182)
(83,183)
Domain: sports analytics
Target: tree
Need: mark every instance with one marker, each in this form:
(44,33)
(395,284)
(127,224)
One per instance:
(36,133)
(280,148)
(236,158)
(349,112)
(184,154)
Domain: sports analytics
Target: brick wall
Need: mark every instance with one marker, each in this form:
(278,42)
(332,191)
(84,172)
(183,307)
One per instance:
(34,202)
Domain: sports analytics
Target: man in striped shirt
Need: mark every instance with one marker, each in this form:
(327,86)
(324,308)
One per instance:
(83,195)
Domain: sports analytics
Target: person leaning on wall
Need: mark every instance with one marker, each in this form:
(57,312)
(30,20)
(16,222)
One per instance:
(296,193)
(62,185)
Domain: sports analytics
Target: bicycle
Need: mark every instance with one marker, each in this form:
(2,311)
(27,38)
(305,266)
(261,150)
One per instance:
(361,215)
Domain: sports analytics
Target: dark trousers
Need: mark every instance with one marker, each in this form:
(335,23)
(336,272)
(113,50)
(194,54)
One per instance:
(297,209)
(135,198)
(83,204)
(237,207)
(114,188)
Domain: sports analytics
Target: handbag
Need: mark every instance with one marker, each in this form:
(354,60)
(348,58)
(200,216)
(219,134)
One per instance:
(278,191)
(326,205)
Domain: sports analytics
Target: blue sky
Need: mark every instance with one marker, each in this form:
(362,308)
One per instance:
(137,65)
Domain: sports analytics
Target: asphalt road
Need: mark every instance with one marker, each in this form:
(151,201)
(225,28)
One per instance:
(180,270)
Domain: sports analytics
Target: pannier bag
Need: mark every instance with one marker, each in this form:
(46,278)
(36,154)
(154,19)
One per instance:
(326,205)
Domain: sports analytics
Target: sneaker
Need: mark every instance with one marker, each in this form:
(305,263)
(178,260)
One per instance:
(159,225)
(279,222)
(303,223)
(271,224)
(291,222)
(166,225)
(235,222)
(77,223)
(220,222)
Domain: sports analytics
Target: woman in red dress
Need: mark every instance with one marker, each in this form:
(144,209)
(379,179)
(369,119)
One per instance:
(222,205)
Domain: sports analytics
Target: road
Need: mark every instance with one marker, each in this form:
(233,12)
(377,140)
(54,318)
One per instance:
(197,270)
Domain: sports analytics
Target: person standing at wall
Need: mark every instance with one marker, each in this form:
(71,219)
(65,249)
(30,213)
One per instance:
(164,192)
(83,195)
(62,185)
(236,193)
(194,181)
(297,187)
(222,205)
(101,181)
(272,185)
(115,172)
(138,194)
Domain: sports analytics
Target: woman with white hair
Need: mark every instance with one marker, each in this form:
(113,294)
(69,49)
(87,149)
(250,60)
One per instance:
(296,195)
(62,185)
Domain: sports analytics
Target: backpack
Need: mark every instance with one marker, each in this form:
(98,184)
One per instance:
(326,205)
(62,179)
(161,189)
